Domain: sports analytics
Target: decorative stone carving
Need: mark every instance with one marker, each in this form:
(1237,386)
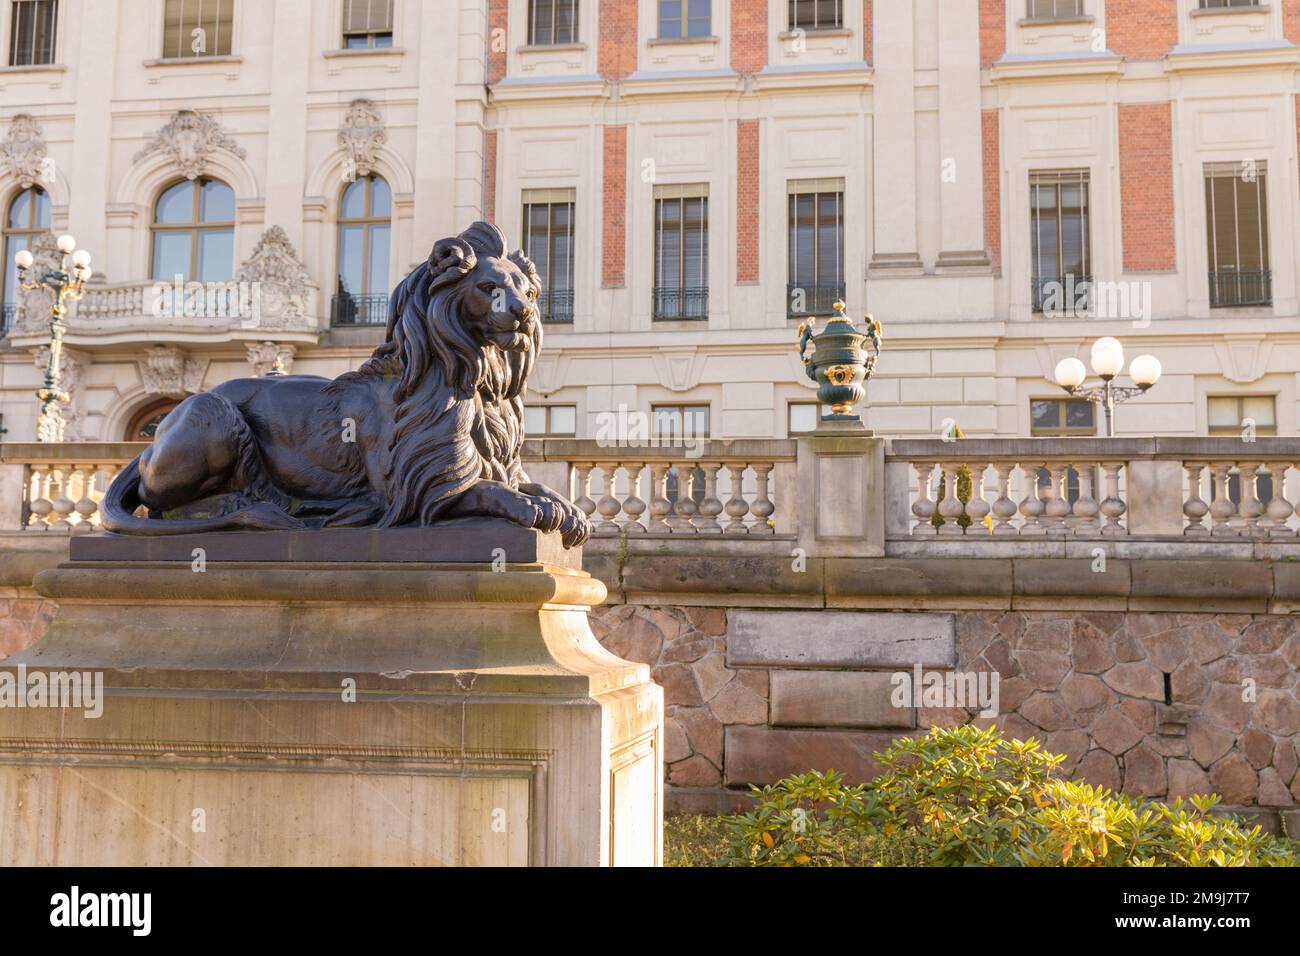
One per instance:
(270,358)
(189,139)
(33,313)
(166,370)
(23,154)
(279,281)
(360,133)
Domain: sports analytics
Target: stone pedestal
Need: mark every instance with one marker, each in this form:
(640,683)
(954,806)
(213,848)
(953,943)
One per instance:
(349,697)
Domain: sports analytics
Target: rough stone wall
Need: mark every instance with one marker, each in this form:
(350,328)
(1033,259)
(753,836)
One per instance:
(1152,704)
(24,616)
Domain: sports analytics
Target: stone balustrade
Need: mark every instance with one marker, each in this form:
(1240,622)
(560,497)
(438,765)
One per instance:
(112,302)
(58,487)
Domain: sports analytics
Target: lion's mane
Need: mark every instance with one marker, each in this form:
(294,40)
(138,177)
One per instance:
(458,404)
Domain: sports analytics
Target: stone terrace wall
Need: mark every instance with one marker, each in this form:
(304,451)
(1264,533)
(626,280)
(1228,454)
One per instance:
(1148,704)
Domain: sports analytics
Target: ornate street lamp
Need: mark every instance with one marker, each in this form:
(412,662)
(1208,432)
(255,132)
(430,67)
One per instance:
(62,284)
(1107,360)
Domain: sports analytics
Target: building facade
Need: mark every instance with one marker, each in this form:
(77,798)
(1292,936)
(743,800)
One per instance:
(1000,182)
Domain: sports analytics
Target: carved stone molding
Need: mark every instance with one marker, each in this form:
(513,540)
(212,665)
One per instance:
(189,139)
(33,312)
(23,154)
(167,370)
(360,134)
(279,283)
(267,357)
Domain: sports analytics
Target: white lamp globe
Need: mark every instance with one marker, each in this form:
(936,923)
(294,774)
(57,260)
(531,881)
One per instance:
(1070,373)
(85,273)
(1107,357)
(81,258)
(23,259)
(66,243)
(1145,370)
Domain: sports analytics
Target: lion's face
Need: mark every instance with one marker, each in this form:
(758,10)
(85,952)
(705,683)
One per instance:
(500,299)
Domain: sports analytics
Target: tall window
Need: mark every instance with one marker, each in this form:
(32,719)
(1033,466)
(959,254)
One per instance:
(548,241)
(816,246)
(194,232)
(1236,230)
(198,28)
(684,18)
(1054,9)
(681,289)
(1061,258)
(28,217)
(367,24)
(31,33)
(816,14)
(551,22)
(365,226)
(1212,4)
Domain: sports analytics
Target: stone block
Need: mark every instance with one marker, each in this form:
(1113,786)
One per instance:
(1201,585)
(926,583)
(855,699)
(1042,582)
(720,579)
(840,639)
(761,755)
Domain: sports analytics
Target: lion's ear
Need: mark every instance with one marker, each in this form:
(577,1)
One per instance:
(526,266)
(449,260)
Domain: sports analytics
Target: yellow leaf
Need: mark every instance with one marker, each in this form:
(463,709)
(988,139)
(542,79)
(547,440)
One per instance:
(1067,853)
(767,838)
(802,859)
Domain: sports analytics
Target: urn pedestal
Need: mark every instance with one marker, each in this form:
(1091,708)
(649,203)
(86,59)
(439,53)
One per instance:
(343,697)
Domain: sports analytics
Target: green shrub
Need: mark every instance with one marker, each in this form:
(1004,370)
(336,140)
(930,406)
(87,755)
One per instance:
(967,796)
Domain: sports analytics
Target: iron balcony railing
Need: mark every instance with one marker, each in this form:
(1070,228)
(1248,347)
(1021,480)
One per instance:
(804,299)
(1069,294)
(9,317)
(349,309)
(681,303)
(556,307)
(1241,288)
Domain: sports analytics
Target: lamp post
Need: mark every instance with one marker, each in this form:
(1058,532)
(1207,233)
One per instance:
(1107,360)
(62,284)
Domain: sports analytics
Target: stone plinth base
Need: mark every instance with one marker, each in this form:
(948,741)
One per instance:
(347,713)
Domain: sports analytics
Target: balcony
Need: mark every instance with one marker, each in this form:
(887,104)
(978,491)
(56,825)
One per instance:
(1236,288)
(802,300)
(556,307)
(347,309)
(673,303)
(1069,294)
(7,318)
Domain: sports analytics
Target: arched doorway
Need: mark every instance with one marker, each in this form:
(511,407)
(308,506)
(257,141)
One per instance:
(145,422)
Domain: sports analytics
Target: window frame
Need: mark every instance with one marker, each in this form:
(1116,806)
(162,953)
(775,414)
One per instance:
(1234,431)
(547,408)
(16,6)
(8,232)
(1218,172)
(183,50)
(1227,4)
(1080,11)
(195,227)
(1061,431)
(796,190)
(367,221)
(792,16)
(1057,179)
(530,26)
(683,21)
(686,294)
(546,304)
(681,409)
(370,35)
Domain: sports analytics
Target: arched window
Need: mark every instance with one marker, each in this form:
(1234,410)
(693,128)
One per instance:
(194,232)
(27,218)
(365,215)
(146,421)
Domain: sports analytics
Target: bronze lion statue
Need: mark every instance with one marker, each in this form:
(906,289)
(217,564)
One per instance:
(429,428)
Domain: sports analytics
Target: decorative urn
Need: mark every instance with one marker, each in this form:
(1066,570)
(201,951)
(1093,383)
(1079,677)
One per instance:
(842,360)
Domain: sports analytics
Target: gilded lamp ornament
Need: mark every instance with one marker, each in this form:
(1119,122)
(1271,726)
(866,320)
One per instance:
(842,360)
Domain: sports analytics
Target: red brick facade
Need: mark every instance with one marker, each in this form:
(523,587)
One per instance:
(993,30)
(1291,20)
(616,45)
(991,146)
(747,241)
(490,175)
(496,39)
(748,35)
(1146,176)
(613,236)
(867,27)
(1141,29)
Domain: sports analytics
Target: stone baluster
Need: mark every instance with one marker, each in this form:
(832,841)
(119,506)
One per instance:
(1195,508)
(1113,506)
(1279,508)
(39,505)
(1251,508)
(1222,510)
(1032,506)
(707,519)
(1058,500)
(1086,507)
(582,481)
(85,506)
(63,504)
(737,507)
(762,508)
(608,504)
(1004,509)
(660,506)
(685,507)
(923,508)
(977,508)
(951,507)
(633,506)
